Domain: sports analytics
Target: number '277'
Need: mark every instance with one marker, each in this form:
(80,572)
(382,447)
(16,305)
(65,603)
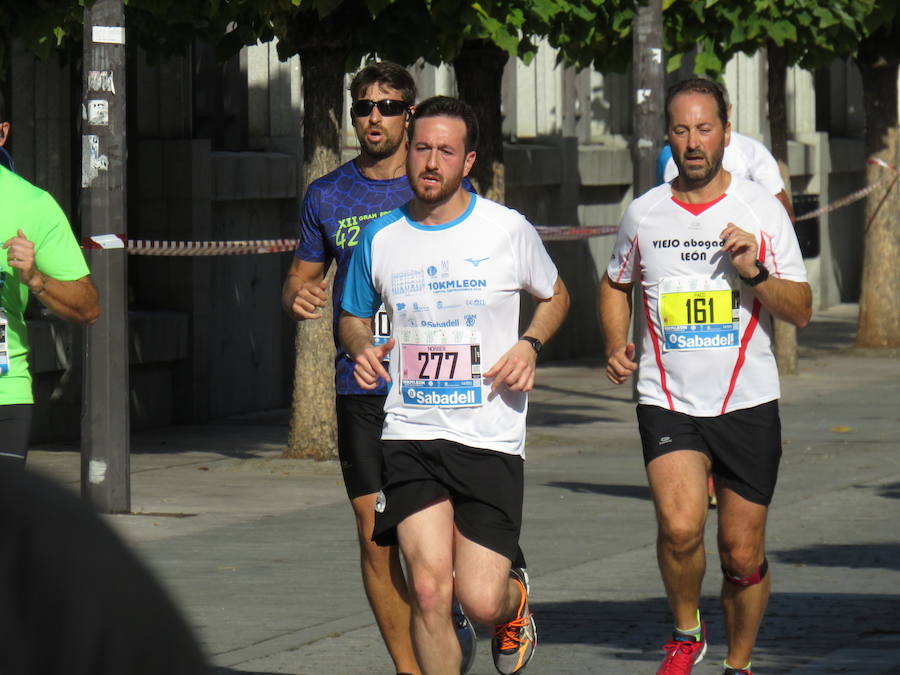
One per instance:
(438,360)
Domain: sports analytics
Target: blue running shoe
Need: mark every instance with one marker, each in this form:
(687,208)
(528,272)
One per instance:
(465,633)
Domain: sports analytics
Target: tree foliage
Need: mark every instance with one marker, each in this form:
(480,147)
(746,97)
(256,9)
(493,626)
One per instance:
(594,33)
(43,26)
(811,32)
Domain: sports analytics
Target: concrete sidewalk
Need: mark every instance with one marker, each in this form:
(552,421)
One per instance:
(260,552)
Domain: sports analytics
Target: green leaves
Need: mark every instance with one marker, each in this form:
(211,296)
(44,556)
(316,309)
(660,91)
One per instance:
(781,32)
(707,61)
(812,32)
(586,32)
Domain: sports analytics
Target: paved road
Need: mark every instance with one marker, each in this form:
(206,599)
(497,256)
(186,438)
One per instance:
(260,551)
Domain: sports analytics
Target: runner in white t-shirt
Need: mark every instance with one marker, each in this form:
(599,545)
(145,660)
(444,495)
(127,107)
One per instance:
(722,338)
(449,267)
(716,257)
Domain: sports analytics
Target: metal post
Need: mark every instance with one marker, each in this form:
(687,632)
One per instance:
(105,461)
(648,70)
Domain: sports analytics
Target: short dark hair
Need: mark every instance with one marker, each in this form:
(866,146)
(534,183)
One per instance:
(2,107)
(384,73)
(446,106)
(698,85)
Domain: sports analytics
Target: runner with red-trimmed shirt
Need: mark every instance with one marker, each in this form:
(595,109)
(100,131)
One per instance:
(717,258)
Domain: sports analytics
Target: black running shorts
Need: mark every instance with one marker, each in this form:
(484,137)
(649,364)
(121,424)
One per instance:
(744,446)
(485,486)
(360,418)
(15,426)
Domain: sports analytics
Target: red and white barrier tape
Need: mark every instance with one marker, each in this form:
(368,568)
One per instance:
(547,232)
(188,248)
(567,233)
(203,248)
(853,196)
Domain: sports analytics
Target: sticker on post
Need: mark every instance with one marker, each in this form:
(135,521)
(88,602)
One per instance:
(111,35)
(98,112)
(697,313)
(101,80)
(440,368)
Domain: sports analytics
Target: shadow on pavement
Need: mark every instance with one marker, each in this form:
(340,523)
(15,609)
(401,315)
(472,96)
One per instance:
(579,392)
(857,556)
(642,626)
(827,335)
(629,491)
(891,491)
(548,414)
(232,671)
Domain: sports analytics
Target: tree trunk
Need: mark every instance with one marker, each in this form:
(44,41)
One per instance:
(479,74)
(313,430)
(879,301)
(785,332)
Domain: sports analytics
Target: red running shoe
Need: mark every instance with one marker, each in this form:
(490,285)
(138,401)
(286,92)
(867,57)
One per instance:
(683,652)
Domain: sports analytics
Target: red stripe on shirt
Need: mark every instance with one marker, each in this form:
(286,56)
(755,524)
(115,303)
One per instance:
(656,350)
(627,258)
(771,252)
(745,340)
(697,209)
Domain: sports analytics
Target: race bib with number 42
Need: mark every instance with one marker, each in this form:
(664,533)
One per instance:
(699,313)
(440,367)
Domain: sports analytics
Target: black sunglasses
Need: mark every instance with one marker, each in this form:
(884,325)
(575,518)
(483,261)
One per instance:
(387,107)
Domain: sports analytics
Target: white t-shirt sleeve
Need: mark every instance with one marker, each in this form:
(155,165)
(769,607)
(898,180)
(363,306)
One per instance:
(537,273)
(783,257)
(622,264)
(670,171)
(762,167)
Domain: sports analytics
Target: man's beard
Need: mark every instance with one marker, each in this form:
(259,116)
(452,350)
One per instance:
(381,149)
(433,194)
(696,177)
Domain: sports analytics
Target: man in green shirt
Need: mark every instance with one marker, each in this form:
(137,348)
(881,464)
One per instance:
(40,256)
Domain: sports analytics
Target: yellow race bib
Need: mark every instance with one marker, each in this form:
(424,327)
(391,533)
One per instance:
(699,313)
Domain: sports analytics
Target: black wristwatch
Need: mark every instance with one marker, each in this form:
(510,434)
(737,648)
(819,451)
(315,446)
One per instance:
(534,342)
(759,278)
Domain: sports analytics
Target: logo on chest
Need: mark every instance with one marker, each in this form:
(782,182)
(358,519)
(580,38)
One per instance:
(689,249)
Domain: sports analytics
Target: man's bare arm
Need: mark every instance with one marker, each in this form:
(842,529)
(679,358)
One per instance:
(788,300)
(516,368)
(615,319)
(73,300)
(356,337)
(304,292)
(70,300)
